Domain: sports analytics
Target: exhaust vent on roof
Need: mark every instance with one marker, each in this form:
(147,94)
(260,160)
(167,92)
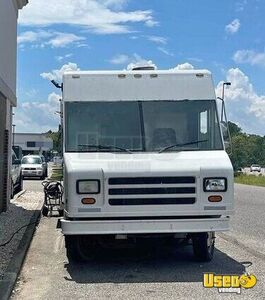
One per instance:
(143,68)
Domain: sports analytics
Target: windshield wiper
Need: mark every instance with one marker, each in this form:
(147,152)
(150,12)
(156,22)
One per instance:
(104,147)
(179,145)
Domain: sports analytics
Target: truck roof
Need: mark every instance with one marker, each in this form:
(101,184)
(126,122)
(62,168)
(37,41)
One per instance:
(138,85)
(128,72)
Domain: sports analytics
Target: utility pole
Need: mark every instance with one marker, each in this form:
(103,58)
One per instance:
(13,127)
(60,131)
(225,84)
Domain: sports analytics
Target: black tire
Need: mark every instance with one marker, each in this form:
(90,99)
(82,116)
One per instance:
(203,246)
(45,211)
(79,248)
(42,177)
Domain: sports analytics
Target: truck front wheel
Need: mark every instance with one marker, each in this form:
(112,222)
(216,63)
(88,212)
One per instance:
(80,248)
(203,245)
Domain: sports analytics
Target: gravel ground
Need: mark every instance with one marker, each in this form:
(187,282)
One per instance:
(19,213)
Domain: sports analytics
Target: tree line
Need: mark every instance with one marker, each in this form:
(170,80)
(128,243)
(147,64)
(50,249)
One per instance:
(247,149)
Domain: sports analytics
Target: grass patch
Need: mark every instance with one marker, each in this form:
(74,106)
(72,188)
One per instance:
(250,180)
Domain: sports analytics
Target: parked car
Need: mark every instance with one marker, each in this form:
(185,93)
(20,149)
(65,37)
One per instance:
(16,175)
(255,168)
(33,166)
(45,165)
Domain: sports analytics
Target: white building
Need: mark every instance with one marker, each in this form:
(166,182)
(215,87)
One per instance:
(33,143)
(8,55)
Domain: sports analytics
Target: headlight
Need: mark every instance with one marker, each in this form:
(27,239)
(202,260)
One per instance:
(39,169)
(215,184)
(88,187)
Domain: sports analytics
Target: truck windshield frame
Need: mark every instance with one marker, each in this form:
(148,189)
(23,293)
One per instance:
(142,126)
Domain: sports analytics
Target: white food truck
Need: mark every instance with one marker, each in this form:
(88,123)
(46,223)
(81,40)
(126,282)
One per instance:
(144,156)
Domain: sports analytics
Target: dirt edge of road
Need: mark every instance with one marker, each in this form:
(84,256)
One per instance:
(9,280)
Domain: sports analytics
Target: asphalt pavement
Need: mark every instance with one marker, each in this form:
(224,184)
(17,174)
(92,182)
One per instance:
(154,273)
(34,184)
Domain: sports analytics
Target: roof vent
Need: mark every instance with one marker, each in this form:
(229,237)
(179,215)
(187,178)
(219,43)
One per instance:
(144,65)
(143,68)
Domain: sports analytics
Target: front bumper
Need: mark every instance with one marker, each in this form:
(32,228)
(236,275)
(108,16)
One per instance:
(85,227)
(31,173)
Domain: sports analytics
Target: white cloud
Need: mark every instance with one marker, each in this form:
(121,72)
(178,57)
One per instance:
(114,4)
(185,66)
(102,16)
(151,23)
(58,73)
(64,39)
(33,36)
(244,105)
(55,39)
(157,39)
(138,61)
(63,57)
(120,59)
(250,57)
(233,27)
(165,51)
(38,116)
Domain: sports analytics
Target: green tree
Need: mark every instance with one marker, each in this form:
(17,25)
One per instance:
(234,128)
(57,140)
(248,149)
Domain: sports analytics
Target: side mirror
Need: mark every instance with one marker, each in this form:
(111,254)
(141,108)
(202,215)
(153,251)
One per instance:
(225,132)
(225,128)
(226,136)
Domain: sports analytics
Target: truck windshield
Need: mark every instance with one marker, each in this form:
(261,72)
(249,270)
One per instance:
(144,126)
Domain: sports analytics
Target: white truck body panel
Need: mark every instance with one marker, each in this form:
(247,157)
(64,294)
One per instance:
(103,218)
(168,85)
(103,166)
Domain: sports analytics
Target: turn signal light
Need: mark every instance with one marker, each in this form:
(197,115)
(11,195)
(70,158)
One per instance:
(88,201)
(215,198)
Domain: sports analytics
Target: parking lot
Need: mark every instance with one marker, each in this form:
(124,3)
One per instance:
(147,272)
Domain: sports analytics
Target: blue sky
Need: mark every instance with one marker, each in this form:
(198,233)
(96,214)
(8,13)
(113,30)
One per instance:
(226,37)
